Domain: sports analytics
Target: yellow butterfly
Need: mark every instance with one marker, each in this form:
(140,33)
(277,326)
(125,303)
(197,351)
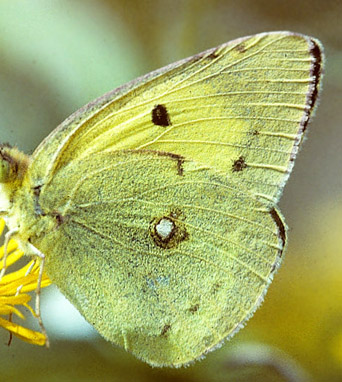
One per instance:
(153,208)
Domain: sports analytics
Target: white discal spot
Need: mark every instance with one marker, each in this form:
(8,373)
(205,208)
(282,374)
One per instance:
(164,228)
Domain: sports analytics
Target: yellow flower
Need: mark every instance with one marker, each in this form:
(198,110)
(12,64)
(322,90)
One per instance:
(14,288)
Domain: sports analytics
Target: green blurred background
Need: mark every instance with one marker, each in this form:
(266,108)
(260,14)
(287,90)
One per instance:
(56,55)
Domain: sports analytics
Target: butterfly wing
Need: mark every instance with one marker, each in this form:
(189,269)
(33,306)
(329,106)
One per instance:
(152,198)
(240,108)
(164,257)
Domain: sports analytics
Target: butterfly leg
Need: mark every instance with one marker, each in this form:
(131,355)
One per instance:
(8,236)
(26,274)
(41,256)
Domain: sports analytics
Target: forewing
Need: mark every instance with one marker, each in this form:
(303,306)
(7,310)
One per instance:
(241,108)
(164,257)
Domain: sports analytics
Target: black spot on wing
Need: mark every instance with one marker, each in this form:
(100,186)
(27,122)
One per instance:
(239,164)
(165,329)
(160,116)
(194,308)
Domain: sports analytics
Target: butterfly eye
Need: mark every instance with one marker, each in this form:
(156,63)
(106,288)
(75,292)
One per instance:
(8,166)
(4,171)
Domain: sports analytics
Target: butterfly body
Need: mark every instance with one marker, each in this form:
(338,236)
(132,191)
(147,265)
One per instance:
(155,205)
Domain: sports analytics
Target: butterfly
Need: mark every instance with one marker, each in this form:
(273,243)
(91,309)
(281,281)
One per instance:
(154,207)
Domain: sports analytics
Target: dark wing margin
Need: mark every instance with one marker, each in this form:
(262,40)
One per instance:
(281,236)
(316,72)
